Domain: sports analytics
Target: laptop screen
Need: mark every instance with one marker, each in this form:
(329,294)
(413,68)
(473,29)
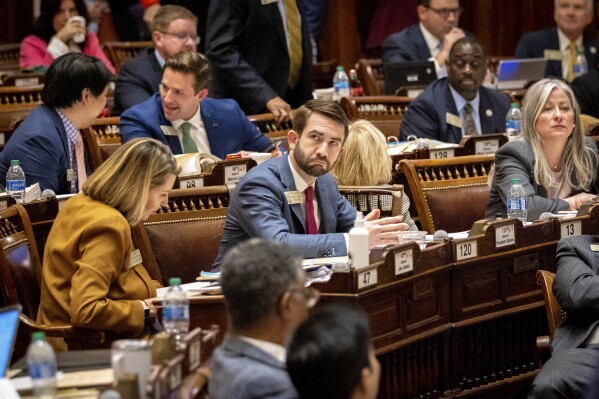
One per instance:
(406,74)
(9,322)
(516,74)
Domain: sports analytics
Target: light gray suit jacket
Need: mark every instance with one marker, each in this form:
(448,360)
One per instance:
(242,371)
(516,160)
(260,208)
(576,287)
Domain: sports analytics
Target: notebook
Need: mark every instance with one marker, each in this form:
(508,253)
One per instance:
(408,74)
(516,74)
(9,322)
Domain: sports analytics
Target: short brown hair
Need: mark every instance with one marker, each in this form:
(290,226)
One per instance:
(326,108)
(193,63)
(124,180)
(167,14)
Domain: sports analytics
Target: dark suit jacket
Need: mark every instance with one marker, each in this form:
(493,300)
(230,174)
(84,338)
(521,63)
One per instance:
(586,91)
(534,44)
(259,208)
(576,287)
(407,45)
(227,128)
(243,371)
(41,144)
(137,81)
(426,115)
(516,160)
(247,47)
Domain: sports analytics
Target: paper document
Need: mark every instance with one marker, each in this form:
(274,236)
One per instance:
(192,289)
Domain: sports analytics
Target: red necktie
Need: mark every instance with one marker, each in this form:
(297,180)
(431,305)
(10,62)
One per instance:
(310,219)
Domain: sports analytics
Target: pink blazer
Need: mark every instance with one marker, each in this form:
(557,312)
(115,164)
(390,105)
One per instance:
(34,52)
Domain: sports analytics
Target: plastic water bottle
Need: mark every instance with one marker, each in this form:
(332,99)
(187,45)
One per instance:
(513,122)
(15,181)
(580,66)
(176,309)
(340,84)
(359,250)
(41,362)
(517,201)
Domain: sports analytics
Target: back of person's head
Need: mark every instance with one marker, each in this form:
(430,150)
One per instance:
(124,180)
(167,14)
(69,75)
(365,160)
(327,108)
(194,63)
(329,353)
(425,3)
(43,26)
(254,276)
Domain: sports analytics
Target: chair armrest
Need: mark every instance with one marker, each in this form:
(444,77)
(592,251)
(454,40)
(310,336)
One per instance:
(543,349)
(81,337)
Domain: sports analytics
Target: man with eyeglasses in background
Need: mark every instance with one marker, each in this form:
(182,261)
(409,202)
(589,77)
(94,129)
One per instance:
(429,40)
(560,44)
(173,30)
(266,299)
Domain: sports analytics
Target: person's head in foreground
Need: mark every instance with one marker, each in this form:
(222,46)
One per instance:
(264,288)
(330,356)
(135,180)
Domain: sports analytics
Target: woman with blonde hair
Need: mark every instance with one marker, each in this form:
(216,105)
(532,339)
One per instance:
(556,164)
(366,162)
(92,275)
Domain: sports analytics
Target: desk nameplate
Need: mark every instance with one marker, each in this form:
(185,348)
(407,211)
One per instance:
(442,153)
(486,147)
(570,228)
(367,278)
(196,182)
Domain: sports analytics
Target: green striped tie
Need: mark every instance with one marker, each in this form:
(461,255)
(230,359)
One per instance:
(188,144)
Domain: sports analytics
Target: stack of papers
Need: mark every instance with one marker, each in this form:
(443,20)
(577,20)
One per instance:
(194,289)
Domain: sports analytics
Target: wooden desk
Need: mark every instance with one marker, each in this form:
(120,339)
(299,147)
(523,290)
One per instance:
(454,325)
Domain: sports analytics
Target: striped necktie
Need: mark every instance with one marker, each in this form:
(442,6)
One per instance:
(188,144)
(295,41)
(469,126)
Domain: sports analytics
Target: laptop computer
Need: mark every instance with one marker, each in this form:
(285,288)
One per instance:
(9,323)
(408,74)
(516,74)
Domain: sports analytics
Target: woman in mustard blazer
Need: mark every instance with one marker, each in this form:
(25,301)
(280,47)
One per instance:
(92,275)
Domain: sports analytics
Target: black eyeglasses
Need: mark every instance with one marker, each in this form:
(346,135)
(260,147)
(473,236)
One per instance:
(444,12)
(183,36)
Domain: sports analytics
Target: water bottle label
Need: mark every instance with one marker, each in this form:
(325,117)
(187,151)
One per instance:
(179,312)
(512,125)
(41,370)
(15,185)
(516,204)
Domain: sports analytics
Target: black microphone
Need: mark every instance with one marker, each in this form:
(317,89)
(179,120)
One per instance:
(48,193)
(440,235)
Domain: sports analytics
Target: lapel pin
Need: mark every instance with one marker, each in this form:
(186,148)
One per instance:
(489,113)
(593,50)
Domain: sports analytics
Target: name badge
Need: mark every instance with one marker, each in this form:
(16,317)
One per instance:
(294,197)
(553,55)
(70,175)
(135,258)
(266,2)
(169,130)
(453,120)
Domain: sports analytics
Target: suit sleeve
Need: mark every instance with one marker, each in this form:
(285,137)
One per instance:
(103,259)
(576,284)
(585,91)
(33,52)
(523,49)
(130,88)
(393,51)
(43,162)
(223,36)
(510,163)
(132,127)
(260,215)
(421,120)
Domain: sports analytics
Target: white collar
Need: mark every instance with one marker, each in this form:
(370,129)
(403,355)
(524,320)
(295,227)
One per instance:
(564,42)
(195,120)
(300,183)
(275,350)
(431,41)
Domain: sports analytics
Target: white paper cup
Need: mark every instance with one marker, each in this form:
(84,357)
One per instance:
(132,356)
(324,94)
(260,157)
(78,38)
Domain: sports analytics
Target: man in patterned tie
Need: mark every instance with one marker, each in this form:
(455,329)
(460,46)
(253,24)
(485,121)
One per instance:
(293,199)
(48,142)
(458,105)
(182,115)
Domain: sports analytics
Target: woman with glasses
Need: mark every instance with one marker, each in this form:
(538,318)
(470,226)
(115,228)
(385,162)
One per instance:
(555,162)
(56,33)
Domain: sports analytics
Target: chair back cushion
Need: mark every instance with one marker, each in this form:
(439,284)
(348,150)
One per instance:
(24,278)
(469,204)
